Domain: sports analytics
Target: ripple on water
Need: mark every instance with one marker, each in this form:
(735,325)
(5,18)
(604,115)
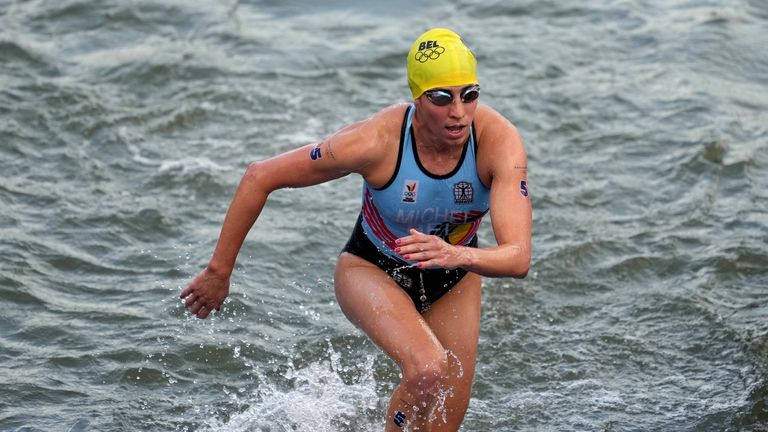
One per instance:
(25,58)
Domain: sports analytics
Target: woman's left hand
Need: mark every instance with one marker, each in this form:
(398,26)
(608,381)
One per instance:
(430,251)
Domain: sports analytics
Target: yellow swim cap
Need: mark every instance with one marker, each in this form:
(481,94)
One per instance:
(439,58)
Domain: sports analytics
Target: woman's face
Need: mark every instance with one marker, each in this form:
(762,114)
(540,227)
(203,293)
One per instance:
(450,122)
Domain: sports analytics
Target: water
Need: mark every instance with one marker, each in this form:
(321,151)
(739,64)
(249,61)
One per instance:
(124,130)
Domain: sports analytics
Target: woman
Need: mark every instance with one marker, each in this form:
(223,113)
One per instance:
(410,275)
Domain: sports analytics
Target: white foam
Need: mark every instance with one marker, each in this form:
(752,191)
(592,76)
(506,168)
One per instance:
(318,400)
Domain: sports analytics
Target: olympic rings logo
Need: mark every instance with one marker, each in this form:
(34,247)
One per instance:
(428,54)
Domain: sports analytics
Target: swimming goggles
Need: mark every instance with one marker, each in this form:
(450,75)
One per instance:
(442,97)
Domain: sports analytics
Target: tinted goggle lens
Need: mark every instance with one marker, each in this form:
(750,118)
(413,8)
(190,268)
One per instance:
(444,97)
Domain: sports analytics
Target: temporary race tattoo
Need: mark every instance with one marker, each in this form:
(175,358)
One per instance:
(399,419)
(315,153)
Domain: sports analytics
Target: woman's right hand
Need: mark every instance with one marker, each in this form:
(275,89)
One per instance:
(205,293)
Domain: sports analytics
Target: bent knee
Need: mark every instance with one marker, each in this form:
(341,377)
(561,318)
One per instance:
(424,377)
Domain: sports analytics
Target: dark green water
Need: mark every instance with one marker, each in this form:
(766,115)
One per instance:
(126,125)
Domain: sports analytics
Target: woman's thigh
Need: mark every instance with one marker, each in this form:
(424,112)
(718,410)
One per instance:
(455,321)
(379,307)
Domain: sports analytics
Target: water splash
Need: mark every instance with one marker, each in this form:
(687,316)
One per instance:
(457,370)
(317,397)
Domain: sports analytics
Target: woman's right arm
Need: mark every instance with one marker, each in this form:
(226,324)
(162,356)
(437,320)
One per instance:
(352,149)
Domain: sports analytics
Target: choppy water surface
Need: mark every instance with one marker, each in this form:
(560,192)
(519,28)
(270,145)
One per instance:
(125,127)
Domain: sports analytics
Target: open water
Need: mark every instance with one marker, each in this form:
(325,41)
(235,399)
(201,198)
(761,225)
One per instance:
(125,126)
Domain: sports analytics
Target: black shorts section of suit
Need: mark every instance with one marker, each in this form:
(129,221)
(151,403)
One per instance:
(424,287)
